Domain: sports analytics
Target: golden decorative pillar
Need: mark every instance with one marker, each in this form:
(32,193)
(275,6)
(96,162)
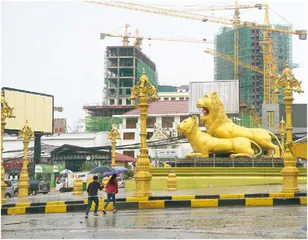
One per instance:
(113,135)
(289,83)
(6,112)
(282,129)
(23,187)
(171,185)
(142,91)
(78,186)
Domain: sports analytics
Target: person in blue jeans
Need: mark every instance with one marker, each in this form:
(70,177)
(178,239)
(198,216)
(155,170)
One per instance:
(111,190)
(92,195)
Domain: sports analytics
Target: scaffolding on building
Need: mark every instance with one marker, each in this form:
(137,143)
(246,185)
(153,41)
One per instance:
(250,82)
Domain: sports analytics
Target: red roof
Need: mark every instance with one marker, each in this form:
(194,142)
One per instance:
(123,158)
(164,107)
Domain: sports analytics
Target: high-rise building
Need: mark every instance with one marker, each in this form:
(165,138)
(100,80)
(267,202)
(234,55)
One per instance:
(123,68)
(250,51)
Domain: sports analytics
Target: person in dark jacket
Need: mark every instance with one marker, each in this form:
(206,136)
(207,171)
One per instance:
(111,190)
(93,195)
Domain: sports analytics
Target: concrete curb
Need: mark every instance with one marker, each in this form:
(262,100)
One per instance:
(159,202)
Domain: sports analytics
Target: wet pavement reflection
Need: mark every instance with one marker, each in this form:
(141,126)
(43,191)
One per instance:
(57,196)
(223,222)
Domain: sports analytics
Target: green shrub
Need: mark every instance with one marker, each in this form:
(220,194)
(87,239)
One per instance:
(128,174)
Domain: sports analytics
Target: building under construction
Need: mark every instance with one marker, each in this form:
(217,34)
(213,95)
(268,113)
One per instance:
(250,51)
(123,68)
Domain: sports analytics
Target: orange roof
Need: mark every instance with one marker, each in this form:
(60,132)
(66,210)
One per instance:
(123,158)
(164,107)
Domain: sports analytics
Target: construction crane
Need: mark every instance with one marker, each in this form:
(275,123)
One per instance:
(269,65)
(240,63)
(236,25)
(216,8)
(193,16)
(139,39)
(230,59)
(231,22)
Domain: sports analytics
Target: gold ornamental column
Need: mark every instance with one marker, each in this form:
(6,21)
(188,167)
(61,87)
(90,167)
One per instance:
(289,83)
(113,135)
(6,112)
(282,129)
(23,187)
(142,91)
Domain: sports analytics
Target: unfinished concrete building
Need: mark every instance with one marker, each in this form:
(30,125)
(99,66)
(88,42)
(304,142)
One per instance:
(250,51)
(123,68)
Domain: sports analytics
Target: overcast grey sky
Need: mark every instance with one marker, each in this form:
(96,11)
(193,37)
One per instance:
(54,47)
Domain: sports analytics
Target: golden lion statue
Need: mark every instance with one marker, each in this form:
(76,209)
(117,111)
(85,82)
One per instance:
(203,143)
(219,125)
(166,165)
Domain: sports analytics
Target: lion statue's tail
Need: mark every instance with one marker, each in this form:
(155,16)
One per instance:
(257,145)
(274,136)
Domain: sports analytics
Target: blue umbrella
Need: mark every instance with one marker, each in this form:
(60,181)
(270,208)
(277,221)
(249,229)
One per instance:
(107,174)
(119,168)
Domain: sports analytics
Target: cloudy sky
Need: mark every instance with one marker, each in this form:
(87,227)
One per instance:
(54,47)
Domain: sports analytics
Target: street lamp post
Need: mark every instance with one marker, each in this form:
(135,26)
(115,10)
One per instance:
(23,187)
(142,91)
(6,112)
(289,83)
(113,135)
(282,129)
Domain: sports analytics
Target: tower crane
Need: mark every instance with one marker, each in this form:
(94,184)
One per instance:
(139,39)
(269,65)
(267,43)
(230,59)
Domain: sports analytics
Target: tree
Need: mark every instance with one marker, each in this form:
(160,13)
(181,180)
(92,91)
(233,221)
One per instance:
(86,166)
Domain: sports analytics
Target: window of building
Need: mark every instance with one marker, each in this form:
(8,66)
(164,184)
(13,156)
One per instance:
(128,136)
(173,98)
(128,102)
(270,119)
(131,122)
(166,99)
(167,122)
(183,118)
(181,98)
(128,91)
(120,101)
(151,122)
(111,101)
(149,135)
(126,82)
(129,153)
(126,62)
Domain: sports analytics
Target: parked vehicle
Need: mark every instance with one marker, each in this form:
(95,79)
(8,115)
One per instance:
(66,183)
(121,183)
(36,186)
(9,191)
(15,185)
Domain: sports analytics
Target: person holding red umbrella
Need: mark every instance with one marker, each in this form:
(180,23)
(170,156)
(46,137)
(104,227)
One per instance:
(111,190)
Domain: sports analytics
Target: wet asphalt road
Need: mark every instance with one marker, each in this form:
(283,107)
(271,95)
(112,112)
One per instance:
(235,222)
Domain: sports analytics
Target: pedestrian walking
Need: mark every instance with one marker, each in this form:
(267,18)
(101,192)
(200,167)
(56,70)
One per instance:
(111,190)
(93,195)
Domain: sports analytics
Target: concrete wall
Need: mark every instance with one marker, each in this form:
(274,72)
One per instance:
(78,139)
(299,116)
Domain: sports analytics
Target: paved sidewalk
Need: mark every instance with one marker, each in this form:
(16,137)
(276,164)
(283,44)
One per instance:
(57,196)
